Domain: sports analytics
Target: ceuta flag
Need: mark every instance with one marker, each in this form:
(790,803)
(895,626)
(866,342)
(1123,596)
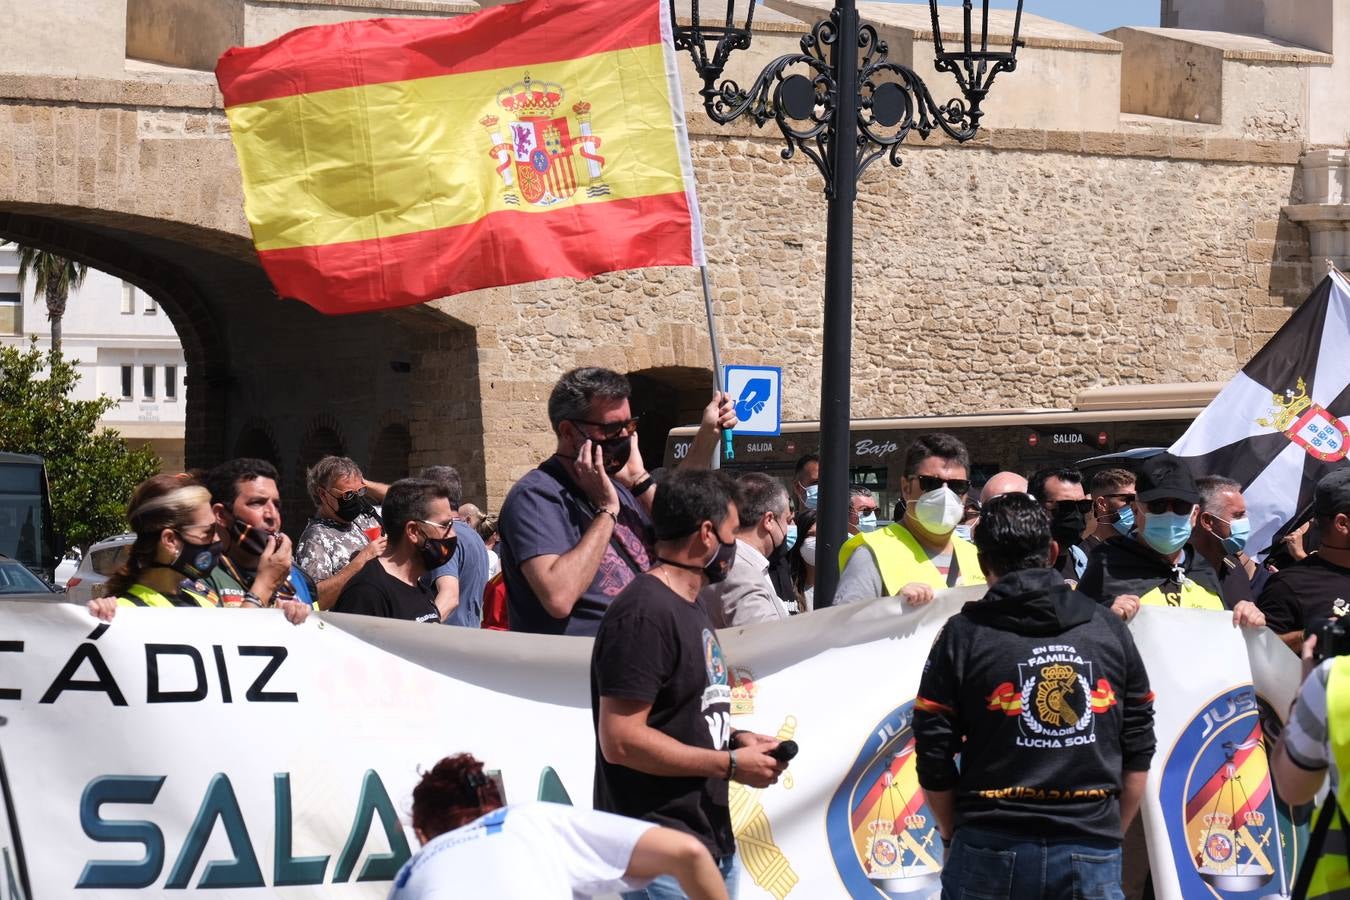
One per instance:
(393,161)
(1279,425)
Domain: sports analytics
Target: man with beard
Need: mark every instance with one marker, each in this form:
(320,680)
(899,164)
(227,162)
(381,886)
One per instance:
(256,569)
(421,538)
(576,530)
(921,553)
(1060,493)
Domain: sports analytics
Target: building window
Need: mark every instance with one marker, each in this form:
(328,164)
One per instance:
(128,298)
(11,313)
(151,307)
(126,382)
(149,377)
(170,382)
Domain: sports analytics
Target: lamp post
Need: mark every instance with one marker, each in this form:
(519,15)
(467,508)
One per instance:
(845,107)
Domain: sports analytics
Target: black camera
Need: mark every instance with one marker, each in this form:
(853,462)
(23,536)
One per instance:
(1333,638)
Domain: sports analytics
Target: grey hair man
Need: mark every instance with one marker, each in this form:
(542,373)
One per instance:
(344,533)
(747,594)
(460,580)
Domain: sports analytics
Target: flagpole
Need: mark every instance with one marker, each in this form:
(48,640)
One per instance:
(719,376)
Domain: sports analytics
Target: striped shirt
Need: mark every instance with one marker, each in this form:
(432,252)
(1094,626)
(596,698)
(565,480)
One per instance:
(1305,735)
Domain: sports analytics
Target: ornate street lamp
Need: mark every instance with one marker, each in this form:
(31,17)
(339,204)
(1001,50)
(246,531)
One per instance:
(844,107)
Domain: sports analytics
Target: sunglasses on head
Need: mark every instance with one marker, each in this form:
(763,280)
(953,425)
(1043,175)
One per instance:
(1082,506)
(612,430)
(1175,504)
(933,482)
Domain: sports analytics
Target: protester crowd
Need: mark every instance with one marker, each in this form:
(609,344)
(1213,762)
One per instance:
(650,563)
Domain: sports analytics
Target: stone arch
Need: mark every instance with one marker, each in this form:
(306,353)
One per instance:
(390,453)
(666,397)
(257,441)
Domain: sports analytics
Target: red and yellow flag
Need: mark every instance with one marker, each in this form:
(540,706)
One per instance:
(393,161)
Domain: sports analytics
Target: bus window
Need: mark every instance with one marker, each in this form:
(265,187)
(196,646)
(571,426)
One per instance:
(26,512)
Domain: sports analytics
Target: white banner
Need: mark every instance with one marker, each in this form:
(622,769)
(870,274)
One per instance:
(227,750)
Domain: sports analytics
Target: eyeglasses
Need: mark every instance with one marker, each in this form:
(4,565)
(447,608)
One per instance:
(612,430)
(208,529)
(932,483)
(1175,504)
(347,496)
(1083,506)
(442,529)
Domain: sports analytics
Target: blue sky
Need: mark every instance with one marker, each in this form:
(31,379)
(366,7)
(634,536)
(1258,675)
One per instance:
(1094,15)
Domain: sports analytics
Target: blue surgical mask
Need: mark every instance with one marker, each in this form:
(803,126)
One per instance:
(1124,522)
(1236,541)
(867,522)
(790,537)
(811,495)
(1167,532)
(962,531)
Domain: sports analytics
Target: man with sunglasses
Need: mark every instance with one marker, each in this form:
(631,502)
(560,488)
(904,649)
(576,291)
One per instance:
(343,534)
(576,530)
(1112,493)
(1059,490)
(421,537)
(921,553)
(1157,566)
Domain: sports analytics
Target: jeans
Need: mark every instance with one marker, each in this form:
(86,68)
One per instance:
(986,865)
(667,888)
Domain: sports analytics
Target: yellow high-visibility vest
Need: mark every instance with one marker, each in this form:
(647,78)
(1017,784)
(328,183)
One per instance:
(902,561)
(1331,876)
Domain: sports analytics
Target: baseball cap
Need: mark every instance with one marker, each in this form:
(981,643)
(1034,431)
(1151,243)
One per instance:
(1333,493)
(1164,475)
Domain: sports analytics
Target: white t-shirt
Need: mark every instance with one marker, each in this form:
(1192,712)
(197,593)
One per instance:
(525,851)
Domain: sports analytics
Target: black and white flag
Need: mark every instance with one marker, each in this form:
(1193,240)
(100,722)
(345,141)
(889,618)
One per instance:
(1279,425)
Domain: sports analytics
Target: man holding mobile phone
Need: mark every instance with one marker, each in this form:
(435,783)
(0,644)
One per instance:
(257,568)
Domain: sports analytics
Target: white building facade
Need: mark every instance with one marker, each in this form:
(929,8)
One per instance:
(124,346)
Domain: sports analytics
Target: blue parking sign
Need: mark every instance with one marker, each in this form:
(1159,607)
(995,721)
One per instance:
(757,392)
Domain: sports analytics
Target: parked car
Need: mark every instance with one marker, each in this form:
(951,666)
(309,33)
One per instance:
(103,559)
(16,579)
(67,566)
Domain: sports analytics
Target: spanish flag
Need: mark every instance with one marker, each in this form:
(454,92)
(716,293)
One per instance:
(389,162)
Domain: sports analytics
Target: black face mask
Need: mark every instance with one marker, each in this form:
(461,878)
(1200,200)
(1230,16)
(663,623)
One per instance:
(197,560)
(348,509)
(436,552)
(719,567)
(250,538)
(1066,526)
(615,453)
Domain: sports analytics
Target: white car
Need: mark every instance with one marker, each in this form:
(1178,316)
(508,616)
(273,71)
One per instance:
(103,559)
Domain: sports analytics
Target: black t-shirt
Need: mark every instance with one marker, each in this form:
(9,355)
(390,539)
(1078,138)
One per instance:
(374,592)
(656,647)
(1310,590)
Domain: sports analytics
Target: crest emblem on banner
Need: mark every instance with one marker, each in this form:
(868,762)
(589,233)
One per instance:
(543,155)
(883,836)
(1220,805)
(1312,427)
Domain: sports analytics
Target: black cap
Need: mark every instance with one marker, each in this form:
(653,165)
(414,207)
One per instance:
(1333,493)
(1167,476)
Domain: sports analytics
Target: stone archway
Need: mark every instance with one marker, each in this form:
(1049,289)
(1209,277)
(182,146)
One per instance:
(255,441)
(390,453)
(665,398)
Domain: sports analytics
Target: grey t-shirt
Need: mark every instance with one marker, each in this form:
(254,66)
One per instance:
(468,565)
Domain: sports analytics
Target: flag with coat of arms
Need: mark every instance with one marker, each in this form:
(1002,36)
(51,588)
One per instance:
(388,162)
(1280,425)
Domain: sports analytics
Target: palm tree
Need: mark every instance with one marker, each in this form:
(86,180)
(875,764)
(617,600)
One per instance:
(53,276)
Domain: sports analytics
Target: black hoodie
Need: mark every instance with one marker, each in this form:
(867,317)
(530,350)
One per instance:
(1042,693)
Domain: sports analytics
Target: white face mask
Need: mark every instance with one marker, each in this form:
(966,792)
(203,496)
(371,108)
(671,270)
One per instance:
(939,511)
(809,551)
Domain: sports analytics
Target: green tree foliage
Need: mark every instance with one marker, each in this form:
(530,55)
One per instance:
(53,277)
(91,471)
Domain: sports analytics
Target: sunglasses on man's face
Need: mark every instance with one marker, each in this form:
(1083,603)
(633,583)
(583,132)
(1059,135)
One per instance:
(1175,504)
(612,430)
(348,496)
(928,483)
(1083,506)
(1125,498)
